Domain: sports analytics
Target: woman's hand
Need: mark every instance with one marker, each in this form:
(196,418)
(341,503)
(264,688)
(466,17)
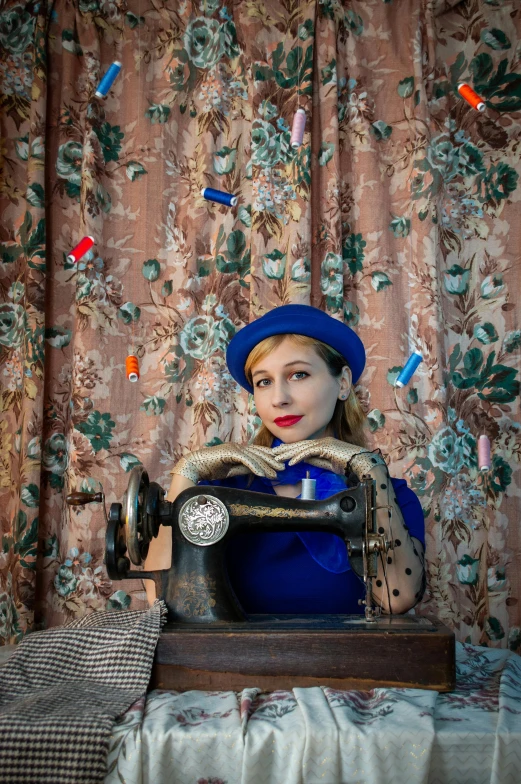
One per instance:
(226,460)
(331,454)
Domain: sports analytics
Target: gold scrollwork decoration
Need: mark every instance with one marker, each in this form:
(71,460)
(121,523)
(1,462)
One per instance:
(195,594)
(243,510)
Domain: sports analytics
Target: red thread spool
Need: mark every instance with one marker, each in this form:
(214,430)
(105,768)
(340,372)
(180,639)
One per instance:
(132,366)
(297,129)
(466,92)
(484,453)
(80,249)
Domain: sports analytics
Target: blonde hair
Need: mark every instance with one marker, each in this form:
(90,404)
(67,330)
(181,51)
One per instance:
(348,420)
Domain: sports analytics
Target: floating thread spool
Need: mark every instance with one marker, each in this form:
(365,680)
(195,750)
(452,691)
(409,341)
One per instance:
(471,97)
(210,194)
(297,129)
(108,80)
(308,488)
(484,453)
(132,366)
(411,365)
(80,249)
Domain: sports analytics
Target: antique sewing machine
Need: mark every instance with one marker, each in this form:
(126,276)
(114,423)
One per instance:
(210,643)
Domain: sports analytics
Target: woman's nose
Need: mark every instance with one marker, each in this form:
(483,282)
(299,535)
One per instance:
(280,394)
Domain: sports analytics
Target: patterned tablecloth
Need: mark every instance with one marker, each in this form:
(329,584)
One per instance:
(382,736)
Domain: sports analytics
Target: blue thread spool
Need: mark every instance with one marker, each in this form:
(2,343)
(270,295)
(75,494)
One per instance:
(219,196)
(412,363)
(108,80)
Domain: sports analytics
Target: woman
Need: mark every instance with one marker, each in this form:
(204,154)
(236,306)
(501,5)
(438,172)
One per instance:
(300,365)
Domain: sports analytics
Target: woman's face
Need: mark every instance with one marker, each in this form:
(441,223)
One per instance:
(294,392)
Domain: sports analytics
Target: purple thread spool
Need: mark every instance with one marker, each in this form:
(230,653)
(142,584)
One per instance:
(411,365)
(297,129)
(108,80)
(210,194)
(484,453)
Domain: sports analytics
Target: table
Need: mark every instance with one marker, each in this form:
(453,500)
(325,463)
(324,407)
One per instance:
(306,736)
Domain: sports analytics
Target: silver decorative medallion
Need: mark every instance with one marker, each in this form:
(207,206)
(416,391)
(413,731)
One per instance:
(203,520)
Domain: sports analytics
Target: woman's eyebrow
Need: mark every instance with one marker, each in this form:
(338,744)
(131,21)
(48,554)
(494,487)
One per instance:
(295,362)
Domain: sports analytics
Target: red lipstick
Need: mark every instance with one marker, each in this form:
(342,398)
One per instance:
(287,421)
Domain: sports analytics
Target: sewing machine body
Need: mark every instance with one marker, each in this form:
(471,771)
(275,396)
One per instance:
(196,588)
(210,643)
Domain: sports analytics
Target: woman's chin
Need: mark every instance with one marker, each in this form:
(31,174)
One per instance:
(294,433)
(290,435)
(285,434)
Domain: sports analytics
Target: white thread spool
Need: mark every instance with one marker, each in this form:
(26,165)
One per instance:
(297,129)
(309,487)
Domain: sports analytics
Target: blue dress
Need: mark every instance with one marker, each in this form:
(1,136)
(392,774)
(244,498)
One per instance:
(303,572)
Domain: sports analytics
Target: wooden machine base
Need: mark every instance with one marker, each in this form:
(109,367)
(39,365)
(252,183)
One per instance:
(281,652)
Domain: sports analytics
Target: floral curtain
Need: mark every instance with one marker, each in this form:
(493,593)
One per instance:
(399,214)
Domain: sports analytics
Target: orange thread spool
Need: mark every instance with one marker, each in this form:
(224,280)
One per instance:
(471,97)
(132,366)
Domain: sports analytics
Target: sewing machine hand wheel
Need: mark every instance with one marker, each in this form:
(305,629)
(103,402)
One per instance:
(132,525)
(134,517)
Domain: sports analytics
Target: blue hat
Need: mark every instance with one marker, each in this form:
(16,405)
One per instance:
(295,320)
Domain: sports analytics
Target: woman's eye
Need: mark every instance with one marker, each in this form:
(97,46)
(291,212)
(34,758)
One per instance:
(299,373)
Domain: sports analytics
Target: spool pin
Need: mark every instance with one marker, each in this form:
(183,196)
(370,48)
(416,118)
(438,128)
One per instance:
(308,488)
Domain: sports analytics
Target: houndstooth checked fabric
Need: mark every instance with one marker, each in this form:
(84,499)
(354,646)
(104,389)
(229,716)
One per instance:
(62,690)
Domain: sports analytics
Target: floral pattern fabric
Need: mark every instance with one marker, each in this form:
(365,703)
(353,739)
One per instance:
(469,736)
(399,214)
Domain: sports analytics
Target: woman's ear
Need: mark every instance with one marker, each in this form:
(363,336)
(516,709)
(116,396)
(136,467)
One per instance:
(345,383)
